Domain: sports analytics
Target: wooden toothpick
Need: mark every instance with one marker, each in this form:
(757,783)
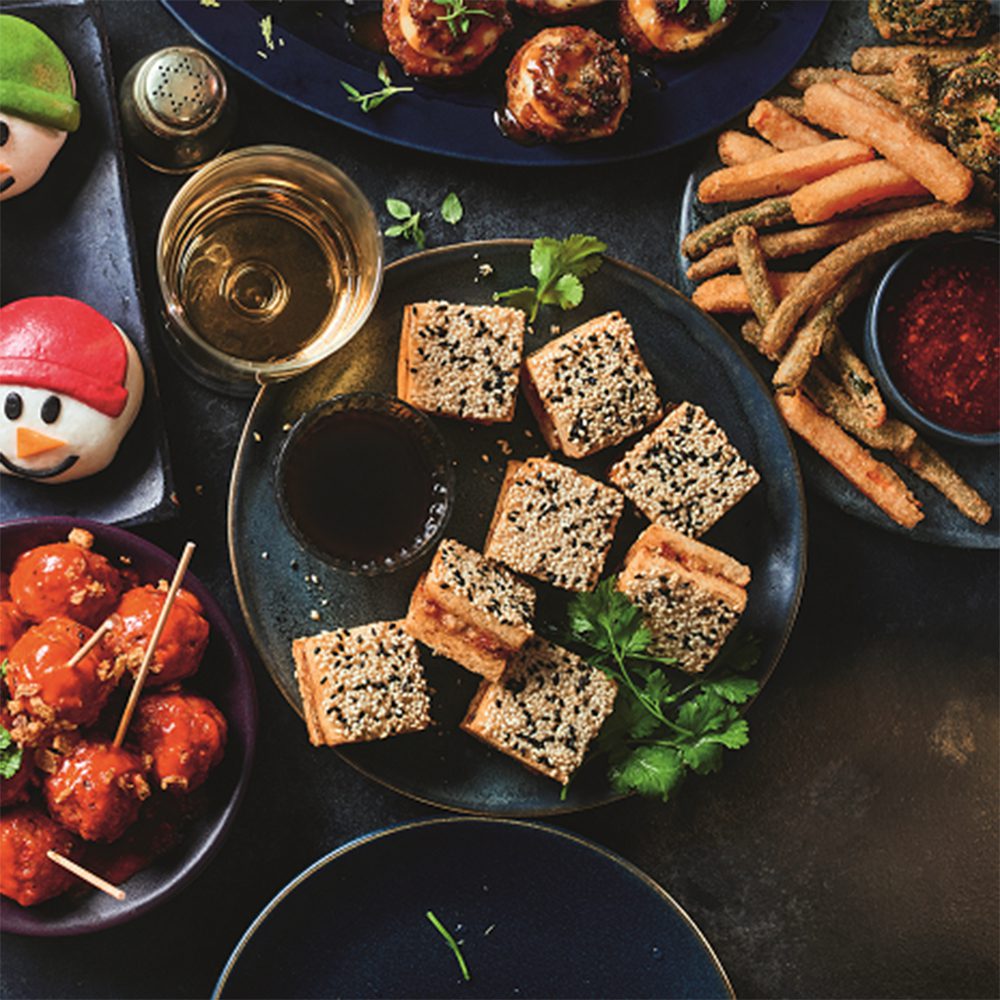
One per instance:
(147,659)
(89,644)
(88,876)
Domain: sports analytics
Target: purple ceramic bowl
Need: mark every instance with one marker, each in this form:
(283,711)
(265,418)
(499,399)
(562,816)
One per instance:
(225,677)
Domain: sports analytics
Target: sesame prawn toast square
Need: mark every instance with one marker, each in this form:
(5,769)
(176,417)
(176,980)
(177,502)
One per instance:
(545,711)
(471,609)
(461,361)
(691,595)
(590,389)
(685,473)
(360,684)
(554,523)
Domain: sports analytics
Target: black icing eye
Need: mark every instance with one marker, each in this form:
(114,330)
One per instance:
(51,409)
(13,405)
(4,133)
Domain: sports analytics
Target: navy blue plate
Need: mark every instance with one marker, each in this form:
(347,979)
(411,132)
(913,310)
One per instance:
(71,235)
(285,592)
(672,103)
(537,912)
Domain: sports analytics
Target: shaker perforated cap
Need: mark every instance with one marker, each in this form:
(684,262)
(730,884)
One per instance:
(180,90)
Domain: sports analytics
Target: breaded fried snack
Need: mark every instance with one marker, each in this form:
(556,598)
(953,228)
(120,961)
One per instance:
(691,596)
(545,712)
(471,609)
(685,474)
(590,389)
(461,361)
(553,523)
(360,684)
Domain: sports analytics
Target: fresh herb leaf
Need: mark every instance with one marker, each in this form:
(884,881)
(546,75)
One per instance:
(370,101)
(267,31)
(3,667)
(558,267)
(452,943)
(457,18)
(409,225)
(994,120)
(716,8)
(209,3)
(682,5)
(451,208)
(665,722)
(10,754)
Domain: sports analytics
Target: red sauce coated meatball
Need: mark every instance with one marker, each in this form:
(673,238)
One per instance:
(26,874)
(97,790)
(12,626)
(65,578)
(182,643)
(184,734)
(45,690)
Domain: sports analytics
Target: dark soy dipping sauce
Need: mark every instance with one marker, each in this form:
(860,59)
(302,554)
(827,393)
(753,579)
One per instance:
(360,486)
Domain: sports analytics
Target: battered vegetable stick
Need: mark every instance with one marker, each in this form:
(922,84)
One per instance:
(874,478)
(805,76)
(765,214)
(753,267)
(819,329)
(892,109)
(783,172)
(930,466)
(850,188)
(738,147)
(824,276)
(829,105)
(885,58)
(776,246)
(793,106)
(855,377)
(892,435)
(780,129)
(727,293)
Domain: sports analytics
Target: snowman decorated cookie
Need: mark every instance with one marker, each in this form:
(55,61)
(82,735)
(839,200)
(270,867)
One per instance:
(37,106)
(71,384)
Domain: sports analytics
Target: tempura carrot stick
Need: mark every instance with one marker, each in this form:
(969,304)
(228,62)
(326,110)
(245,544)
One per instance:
(776,246)
(727,293)
(753,268)
(850,188)
(930,163)
(737,147)
(783,172)
(873,478)
(765,214)
(885,58)
(930,466)
(780,129)
(823,277)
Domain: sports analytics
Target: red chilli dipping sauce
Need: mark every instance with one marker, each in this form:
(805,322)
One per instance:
(940,336)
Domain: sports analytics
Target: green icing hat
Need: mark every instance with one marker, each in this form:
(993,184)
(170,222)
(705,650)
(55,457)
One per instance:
(35,79)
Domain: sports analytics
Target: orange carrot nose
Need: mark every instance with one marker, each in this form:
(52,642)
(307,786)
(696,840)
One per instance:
(4,169)
(31,442)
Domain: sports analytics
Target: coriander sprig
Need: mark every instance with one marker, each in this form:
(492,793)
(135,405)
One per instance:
(716,8)
(664,724)
(558,266)
(10,754)
(408,228)
(457,18)
(369,102)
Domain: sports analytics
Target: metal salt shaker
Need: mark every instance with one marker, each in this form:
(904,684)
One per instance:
(177,110)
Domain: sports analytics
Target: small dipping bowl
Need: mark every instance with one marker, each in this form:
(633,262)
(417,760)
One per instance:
(364,483)
(931,337)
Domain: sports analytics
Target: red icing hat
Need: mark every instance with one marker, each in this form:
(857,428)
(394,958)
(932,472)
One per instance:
(58,343)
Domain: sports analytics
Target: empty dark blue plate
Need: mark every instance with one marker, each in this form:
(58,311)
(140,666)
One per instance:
(537,912)
(672,102)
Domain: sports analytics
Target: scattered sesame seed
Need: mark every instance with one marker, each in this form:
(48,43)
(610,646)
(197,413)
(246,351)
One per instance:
(314,615)
(263,55)
(485,458)
(286,427)
(263,555)
(125,560)
(256,436)
(199,488)
(489,930)
(174,499)
(313,578)
(485,270)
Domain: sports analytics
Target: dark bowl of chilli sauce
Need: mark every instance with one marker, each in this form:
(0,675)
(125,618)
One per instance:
(364,483)
(932,337)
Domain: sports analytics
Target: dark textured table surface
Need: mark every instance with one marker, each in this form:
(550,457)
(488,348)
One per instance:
(851,850)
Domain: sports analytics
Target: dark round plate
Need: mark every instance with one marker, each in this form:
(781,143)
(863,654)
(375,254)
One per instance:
(942,523)
(225,677)
(672,103)
(537,912)
(284,592)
